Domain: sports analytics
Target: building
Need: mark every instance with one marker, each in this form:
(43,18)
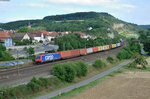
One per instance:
(21,36)
(37,36)
(5,39)
(51,36)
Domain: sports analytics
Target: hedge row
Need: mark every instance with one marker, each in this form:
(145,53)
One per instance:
(68,71)
(32,87)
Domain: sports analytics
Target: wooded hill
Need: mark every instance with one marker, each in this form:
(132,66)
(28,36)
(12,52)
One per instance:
(101,24)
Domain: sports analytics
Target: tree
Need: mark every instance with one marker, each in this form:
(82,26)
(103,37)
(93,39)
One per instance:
(141,61)
(30,51)
(147,45)
(23,30)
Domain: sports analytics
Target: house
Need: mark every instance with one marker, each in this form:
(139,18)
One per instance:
(36,36)
(51,36)
(21,36)
(5,39)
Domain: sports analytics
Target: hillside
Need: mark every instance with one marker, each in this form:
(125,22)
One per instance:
(101,24)
(145,26)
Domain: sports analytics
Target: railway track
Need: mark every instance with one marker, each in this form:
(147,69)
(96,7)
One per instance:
(29,71)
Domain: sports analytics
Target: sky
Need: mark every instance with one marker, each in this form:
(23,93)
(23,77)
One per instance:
(133,11)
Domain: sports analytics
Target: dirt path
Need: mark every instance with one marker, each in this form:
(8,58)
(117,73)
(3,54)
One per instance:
(131,85)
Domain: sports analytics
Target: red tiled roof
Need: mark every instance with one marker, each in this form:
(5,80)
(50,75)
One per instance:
(44,32)
(3,36)
(53,34)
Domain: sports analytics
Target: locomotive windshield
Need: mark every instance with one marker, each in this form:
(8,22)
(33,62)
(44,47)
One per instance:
(38,57)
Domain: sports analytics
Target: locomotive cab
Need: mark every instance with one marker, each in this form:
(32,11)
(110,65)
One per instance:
(38,59)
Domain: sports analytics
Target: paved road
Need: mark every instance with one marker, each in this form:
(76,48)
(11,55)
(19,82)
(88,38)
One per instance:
(56,93)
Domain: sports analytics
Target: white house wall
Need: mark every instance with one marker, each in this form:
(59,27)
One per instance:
(26,36)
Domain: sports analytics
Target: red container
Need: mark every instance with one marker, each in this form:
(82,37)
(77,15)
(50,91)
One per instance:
(95,49)
(64,54)
(75,52)
(110,46)
(83,51)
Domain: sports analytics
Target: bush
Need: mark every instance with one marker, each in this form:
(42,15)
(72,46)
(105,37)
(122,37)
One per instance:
(110,59)
(99,63)
(124,54)
(33,85)
(82,68)
(43,82)
(132,65)
(59,71)
(70,72)
(141,61)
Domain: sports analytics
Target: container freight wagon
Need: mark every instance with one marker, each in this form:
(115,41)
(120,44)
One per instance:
(75,53)
(113,45)
(89,50)
(105,47)
(83,51)
(110,46)
(100,48)
(64,54)
(95,49)
(47,57)
(117,44)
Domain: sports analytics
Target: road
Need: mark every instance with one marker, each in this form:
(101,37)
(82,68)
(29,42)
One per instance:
(66,89)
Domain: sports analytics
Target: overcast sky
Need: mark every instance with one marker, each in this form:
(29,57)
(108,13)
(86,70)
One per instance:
(133,11)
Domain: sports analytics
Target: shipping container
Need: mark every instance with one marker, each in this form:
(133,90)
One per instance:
(107,47)
(50,57)
(64,54)
(83,51)
(95,49)
(110,46)
(104,47)
(113,45)
(89,50)
(100,48)
(119,44)
(75,52)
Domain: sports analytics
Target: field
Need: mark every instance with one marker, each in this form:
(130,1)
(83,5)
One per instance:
(128,85)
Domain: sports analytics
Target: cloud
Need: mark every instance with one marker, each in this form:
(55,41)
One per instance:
(82,2)
(38,5)
(74,10)
(120,6)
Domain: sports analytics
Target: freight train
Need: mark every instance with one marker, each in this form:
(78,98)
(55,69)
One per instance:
(73,53)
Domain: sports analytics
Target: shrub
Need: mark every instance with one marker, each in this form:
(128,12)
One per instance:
(110,59)
(124,54)
(43,82)
(65,71)
(99,63)
(70,72)
(141,61)
(59,71)
(132,65)
(82,68)
(33,85)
